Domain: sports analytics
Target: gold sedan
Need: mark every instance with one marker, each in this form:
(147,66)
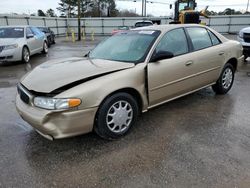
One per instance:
(128,73)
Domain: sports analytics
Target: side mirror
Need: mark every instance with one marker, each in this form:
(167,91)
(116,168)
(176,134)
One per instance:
(87,54)
(170,6)
(162,55)
(30,36)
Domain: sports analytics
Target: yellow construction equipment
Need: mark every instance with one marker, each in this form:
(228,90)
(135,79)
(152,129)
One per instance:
(185,12)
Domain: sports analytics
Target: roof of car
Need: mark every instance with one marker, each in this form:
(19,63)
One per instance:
(18,26)
(167,27)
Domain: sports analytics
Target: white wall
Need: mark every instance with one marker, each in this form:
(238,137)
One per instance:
(104,26)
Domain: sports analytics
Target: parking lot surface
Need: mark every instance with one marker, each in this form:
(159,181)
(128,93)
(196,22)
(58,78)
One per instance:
(201,140)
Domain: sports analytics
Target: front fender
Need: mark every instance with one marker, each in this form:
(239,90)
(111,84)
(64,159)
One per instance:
(93,92)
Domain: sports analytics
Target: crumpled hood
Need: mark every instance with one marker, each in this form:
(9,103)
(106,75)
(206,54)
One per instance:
(55,74)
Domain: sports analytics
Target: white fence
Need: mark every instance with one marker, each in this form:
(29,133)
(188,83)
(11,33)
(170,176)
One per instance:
(104,26)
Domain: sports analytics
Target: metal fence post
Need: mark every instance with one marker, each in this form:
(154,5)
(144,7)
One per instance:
(44,22)
(123,22)
(57,29)
(102,26)
(229,25)
(27,20)
(6,19)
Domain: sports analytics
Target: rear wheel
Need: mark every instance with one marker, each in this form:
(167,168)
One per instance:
(225,81)
(25,55)
(245,58)
(116,116)
(45,48)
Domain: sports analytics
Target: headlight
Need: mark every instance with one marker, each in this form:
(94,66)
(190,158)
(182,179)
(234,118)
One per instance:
(9,47)
(56,104)
(241,34)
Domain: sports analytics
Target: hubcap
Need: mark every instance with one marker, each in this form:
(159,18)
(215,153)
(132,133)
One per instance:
(227,78)
(26,55)
(119,116)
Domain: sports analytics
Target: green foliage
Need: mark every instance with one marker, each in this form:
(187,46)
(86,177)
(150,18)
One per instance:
(51,13)
(89,8)
(40,13)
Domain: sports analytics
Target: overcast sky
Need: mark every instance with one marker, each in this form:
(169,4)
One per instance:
(157,9)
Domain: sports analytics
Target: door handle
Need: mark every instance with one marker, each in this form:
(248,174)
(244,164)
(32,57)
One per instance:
(221,53)
(189,63)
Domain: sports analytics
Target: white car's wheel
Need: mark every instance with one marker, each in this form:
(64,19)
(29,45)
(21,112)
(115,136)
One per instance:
(45,48)
(25,55)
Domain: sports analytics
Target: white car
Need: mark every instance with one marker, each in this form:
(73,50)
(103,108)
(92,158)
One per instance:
(244,38)
(18,43)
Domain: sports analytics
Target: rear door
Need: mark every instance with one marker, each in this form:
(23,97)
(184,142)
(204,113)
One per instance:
(39,37)
(208,55)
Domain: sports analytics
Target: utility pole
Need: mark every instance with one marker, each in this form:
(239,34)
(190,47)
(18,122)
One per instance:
(142,8)
(247,5)
(79,19)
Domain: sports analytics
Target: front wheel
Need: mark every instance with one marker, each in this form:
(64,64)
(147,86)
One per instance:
(25,55)
(225,81)
(116,116)
(45,48)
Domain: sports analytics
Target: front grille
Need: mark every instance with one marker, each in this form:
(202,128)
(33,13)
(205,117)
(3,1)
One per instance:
(1,48)
(246,37)
(23,96)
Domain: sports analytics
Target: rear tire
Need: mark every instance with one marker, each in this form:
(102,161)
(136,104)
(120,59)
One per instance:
(245,58)
(25,55)
(225,81)
(116,115)
(45,48)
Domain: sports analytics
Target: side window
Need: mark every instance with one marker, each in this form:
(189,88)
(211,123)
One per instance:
(28,31)
(199,37)
(174,41)
(214,39)
(35,31)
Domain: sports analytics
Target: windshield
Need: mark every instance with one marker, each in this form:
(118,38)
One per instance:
(43,29)
(131,46)
(12,32)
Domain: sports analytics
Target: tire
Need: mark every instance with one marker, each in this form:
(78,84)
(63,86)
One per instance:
(53,42)
(122,109)
(245,58)
(25,55)
(45,48)
(225,81)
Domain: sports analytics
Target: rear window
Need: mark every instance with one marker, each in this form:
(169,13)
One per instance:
(199,37)
(12,32)
(214,39)
(142,24)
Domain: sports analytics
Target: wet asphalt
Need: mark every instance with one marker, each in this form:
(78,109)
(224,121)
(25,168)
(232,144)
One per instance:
(200,140)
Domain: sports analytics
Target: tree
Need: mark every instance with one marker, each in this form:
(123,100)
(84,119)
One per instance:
(40,13)
(127,13)
(67,8)
(51,13)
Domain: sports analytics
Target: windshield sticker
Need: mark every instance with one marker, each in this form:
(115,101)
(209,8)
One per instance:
(18,29)
(146,32)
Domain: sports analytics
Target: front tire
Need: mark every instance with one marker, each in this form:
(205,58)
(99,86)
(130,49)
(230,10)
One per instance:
(25,55)
(116,115)
(225,81)
(45,48)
